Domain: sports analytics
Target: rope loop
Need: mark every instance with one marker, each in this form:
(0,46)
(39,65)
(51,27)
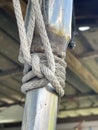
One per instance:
(40,71)
(39,68)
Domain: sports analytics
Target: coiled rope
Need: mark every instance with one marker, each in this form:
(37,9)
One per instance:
(39,68)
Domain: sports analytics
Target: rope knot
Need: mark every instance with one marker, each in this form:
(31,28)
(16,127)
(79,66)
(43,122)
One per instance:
(39,69)
(40,72)
(36,68)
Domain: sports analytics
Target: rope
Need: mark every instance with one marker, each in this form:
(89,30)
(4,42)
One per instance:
(39,68)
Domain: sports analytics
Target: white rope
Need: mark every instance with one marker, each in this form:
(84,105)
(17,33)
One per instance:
(43,66)
(24,47)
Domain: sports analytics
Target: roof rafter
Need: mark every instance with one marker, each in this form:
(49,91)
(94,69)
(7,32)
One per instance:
(77,67)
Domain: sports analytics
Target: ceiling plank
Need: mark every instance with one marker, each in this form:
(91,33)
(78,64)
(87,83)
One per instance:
(12,83)
(84,41)
(9,7)
(8,94)
(11,91)
(11,72)
(76,66)
(12,104)
(92,54)
(5,98)
(4,2)
(11,47)
(77,119)
(11,88)
(76,82)
(79,96)
(79,101)
(78,112)
(91,62)
(3,102)
(5,64)
(70,90)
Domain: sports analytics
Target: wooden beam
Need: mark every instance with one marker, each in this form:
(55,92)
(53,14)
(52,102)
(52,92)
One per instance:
(78,112)
(8,6)
(5,97)
(9,96)
(79,96)
(90,60)
(6,57)
(11,46)
(12,92)
(4,2)
(9,73)
(5,64)
(76,66)
(76,82)
(12,88)
(77,119)
(70,90)
(12,104)
(12,83)
(85,42)
(3,102)
(78,102)
(92,54)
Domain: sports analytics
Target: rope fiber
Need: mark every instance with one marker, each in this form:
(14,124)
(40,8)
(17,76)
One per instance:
(39,68)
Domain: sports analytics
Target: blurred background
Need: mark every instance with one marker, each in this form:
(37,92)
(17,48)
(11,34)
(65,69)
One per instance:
(79,106)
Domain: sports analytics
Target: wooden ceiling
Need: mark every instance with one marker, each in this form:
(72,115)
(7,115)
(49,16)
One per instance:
(82,76)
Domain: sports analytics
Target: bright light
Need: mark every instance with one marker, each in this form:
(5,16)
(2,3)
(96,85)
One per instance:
(84,28)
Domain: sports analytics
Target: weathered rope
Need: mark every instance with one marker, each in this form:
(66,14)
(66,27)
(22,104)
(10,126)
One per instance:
(39,69)
(42,70)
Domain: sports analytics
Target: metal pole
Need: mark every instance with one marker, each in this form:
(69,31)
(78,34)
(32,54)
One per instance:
(40,110)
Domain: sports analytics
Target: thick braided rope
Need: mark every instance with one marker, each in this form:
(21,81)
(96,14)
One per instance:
(40,70)
(40,65)
(43,35)
(22,32)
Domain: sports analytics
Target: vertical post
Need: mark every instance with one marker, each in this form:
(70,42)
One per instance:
(40,110)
